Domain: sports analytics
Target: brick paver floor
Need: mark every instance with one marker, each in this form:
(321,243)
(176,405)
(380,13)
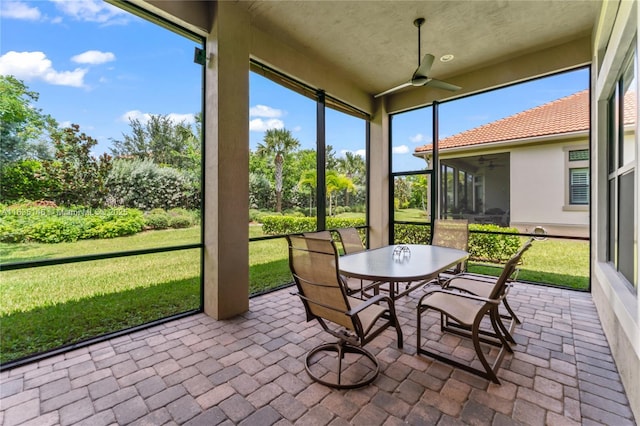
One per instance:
(250,371)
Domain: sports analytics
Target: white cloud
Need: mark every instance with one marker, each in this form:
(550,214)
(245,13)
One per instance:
(260,125)
(297,128)
(94,57)
(181,118)
(35,66)
(92,11)
(144,117)
(361,152)
(19,10)
(265,111)
(417,138)
(402,149)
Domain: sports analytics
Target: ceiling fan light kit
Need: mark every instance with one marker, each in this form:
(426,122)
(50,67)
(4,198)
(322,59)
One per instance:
(421,75)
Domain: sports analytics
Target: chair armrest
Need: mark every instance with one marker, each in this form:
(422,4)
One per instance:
(368,302)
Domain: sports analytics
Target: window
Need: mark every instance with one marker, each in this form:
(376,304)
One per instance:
(622,209)
(577,179)
(579,186)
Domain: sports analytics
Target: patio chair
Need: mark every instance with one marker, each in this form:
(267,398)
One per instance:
(481,285)
(351,241)
(463,314)
(452,233)
(354,322)
(354,285)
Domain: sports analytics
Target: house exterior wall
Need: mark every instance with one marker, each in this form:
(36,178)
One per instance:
(617,303)
(539,181)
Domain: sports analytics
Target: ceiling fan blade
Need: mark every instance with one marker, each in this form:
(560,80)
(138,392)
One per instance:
(425,65)
(442,85)
(386,92)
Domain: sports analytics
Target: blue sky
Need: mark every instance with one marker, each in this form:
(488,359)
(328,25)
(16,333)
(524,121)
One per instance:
(98,66)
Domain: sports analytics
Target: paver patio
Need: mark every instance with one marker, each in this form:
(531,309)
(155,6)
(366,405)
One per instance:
(249,371)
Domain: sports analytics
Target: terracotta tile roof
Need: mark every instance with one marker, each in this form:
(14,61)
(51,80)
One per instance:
(565,115)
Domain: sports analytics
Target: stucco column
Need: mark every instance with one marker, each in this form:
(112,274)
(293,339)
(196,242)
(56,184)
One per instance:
(226,194)
(379,177)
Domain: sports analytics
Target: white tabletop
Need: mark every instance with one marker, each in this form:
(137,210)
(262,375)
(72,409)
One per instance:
(422,262)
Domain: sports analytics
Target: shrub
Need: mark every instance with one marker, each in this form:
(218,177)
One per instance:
(492,247)
(412,234)
(24,179)
(281,225)
(257,215)
(181,218)
(156,219)
(174,218)
(482,247)
(145,185)
(254,215)
(27,223)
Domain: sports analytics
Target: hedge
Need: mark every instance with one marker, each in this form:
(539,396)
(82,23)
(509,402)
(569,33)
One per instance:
(283,225)
(22,223)
(496,247)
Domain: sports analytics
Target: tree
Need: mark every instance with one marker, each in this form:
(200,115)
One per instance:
(337,182)
(79,175)
(402,192)
(163,141)
(23,126)
(277,145)
(308,180)
(353,166)
(419,188)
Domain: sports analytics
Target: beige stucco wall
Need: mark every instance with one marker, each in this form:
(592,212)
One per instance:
(226,184)
(538,176)
(618,305)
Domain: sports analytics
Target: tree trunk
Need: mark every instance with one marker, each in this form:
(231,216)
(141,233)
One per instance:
(278,178)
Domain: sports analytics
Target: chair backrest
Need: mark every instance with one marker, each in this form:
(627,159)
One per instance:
(508,270)
(452,233)
(323,235)
(314,265)
(351,241)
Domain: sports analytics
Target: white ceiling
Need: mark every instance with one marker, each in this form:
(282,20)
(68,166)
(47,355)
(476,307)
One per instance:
(375,42)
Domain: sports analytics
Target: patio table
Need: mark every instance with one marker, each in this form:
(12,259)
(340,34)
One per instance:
(410,265)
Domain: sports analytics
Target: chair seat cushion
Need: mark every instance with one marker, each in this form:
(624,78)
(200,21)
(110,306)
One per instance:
(459,308)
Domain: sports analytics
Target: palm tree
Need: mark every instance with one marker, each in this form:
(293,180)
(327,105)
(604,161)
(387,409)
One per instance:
(337,182)
(353,167)
(308,179)
(277,143)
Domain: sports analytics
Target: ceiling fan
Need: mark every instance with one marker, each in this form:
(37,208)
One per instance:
(421,75)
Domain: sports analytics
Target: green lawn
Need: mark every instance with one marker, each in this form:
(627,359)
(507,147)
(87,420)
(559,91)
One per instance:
(557,262)
(43,308)
(410,215)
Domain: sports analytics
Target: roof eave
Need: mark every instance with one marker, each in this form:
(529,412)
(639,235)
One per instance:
(507,143)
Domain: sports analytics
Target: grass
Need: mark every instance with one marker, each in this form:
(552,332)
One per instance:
(562,263)
(410,215)
(43,308)
(143,240)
